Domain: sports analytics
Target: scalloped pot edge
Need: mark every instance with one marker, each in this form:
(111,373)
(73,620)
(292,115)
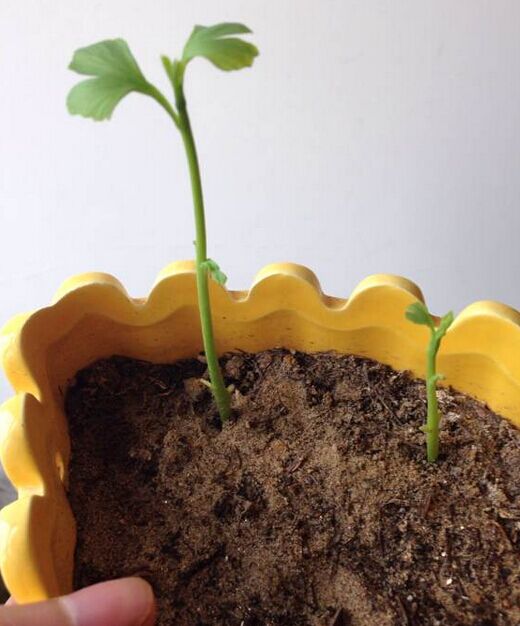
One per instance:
(92,317)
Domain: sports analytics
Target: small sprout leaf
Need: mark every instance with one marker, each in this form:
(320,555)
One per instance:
(215,44)
(212,267)
(419,314)
(115,74)
(169,68)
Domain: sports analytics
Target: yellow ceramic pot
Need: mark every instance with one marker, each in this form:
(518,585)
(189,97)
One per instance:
(93,317)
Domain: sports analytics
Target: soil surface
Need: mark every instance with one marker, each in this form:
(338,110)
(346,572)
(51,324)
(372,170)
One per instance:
(314,505)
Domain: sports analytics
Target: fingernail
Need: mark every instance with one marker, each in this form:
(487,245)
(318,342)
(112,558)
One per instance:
(125,602)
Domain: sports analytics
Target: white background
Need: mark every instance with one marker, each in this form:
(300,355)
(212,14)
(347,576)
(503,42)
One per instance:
(371,136)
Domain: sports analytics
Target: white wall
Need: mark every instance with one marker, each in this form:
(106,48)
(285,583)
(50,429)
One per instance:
(371,136)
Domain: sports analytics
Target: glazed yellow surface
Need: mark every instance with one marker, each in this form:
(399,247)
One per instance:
(92,317)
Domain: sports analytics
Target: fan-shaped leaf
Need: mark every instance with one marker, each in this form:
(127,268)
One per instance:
(216,45)
(419,314)
(115,74)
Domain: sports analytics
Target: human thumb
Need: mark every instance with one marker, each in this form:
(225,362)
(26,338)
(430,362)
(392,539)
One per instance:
(125,602)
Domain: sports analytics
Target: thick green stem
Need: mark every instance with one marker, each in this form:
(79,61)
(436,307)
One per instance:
(432,420)
(218,387)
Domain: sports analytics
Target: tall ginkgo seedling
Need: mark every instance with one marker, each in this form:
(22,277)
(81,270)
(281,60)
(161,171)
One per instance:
(114,73)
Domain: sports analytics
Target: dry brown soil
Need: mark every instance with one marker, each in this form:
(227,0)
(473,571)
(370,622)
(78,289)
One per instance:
(314,505)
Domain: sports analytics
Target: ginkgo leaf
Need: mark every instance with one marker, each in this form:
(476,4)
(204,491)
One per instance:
(419,314)
(213,268)
(114,73)
(216,45)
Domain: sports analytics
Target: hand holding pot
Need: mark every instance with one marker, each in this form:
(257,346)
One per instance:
(125,602)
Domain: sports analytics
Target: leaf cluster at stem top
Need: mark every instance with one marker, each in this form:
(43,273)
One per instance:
(114,72)
(419,314)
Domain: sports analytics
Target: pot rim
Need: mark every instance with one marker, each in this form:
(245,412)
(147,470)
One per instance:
(40,351)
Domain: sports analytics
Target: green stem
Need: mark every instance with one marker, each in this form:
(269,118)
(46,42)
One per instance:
(432,420)
(158,96)
(218,387)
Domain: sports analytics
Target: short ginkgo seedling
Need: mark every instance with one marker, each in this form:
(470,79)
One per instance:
(114,74)
(419,314)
